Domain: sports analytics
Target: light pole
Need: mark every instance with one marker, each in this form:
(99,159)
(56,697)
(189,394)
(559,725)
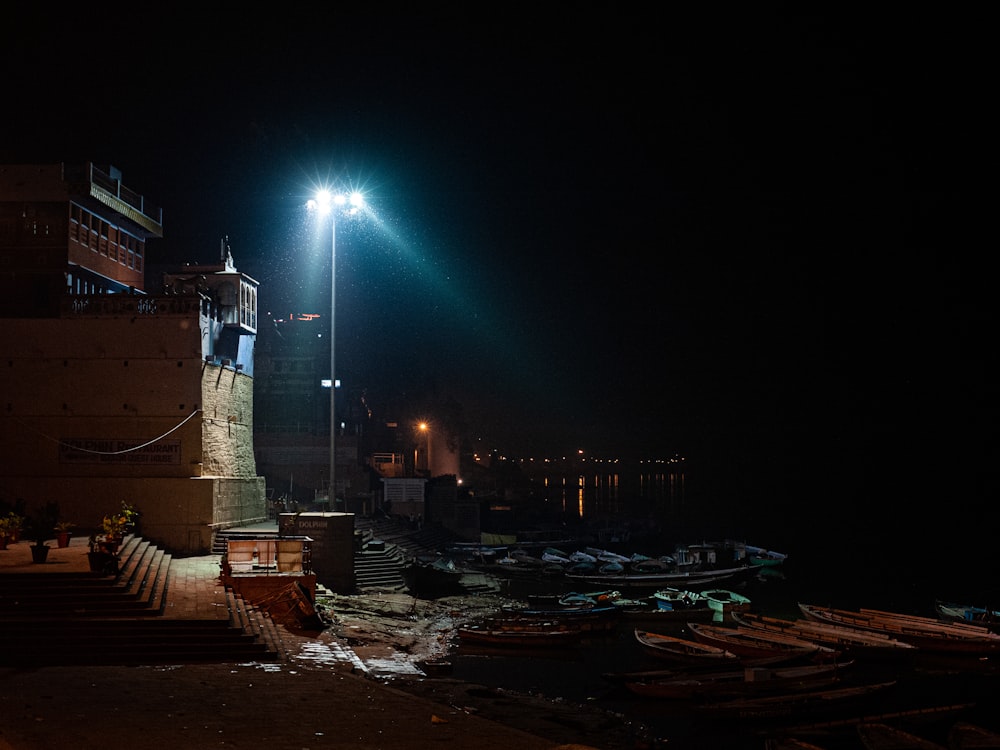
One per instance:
(426,430)
(327,203)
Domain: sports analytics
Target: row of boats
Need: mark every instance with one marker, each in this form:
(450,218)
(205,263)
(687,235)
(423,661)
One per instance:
(747,666)
(690,565)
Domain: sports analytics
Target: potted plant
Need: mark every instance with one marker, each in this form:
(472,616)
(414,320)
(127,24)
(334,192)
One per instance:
(114,526)
(11,529)
(41,527)
(4,524)
(63,533)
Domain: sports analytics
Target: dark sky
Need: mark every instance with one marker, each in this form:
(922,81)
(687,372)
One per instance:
(746,237)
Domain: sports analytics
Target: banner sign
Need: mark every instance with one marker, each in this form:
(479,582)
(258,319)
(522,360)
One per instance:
(119,451)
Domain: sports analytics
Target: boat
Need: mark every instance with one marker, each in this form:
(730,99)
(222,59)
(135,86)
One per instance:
(430,578)
(863,645)
(492,635)
(639,563)
(604,555)
(594,598)
(764,557)
(652,616)
(554,559)
(731,683)
(700,579)
(926,633)
(585,617)
(761,647)
(673,599)
(682,650)
(524,557)
(967,613)
(797,704)
(876,735)
(964,735)
(726,601)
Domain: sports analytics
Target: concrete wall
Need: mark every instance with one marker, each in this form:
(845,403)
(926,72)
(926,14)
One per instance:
(178,515)
(81,394)
(332,545)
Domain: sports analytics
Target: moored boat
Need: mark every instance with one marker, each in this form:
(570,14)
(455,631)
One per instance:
(674,599)
(701,579)
(797,704)
(585,617)
(856,644)
(765,557)
(726,601)
(761,647)
(967,613)
(964,735)
(519,637)
(682,650)
(926,633)
(718,684)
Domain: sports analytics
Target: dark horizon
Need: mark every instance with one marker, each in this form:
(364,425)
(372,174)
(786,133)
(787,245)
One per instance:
(748,238)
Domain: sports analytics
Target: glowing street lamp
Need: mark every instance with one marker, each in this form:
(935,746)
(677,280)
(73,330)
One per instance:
(331,204)
(426,430)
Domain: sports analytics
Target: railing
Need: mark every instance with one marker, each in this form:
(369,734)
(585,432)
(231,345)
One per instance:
(269,555)
(103,180)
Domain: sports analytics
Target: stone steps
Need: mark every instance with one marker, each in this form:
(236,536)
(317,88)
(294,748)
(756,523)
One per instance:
(79,618)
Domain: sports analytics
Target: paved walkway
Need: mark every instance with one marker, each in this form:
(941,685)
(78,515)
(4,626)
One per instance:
(321,697)
(194,589)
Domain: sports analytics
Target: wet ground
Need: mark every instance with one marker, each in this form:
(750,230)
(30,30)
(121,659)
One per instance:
(404,642)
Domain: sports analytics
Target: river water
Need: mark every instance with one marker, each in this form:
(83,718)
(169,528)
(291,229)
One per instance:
(820,569)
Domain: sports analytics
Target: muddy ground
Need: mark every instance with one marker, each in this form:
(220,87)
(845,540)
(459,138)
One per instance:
(396,635)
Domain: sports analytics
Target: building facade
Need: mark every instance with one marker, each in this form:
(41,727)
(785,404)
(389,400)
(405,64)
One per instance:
(114,392)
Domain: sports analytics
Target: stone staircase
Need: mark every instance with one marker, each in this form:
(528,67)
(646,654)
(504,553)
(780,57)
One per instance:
(88,618)
(389,545)
(385,547)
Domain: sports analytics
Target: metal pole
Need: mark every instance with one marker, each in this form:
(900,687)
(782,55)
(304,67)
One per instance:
(331,493)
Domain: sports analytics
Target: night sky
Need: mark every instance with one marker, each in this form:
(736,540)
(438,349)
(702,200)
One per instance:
(745,237)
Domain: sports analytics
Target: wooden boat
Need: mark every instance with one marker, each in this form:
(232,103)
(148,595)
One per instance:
(604,555)
(645,564)
(964,735)
(796,704)
(926,633)
(855,644)
(679,599)
(651,616)
(726,601)
(764,557)
(700,579)
(967,613)
(760,647)
(682,650)
(584,617)
(576,598)
(716,684)
(528,637)
(876,735)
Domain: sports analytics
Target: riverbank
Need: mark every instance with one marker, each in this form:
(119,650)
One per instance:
(396,635)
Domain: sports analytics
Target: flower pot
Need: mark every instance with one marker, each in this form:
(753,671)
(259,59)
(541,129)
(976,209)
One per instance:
(109,545)
(103,562)
(39,552)
(62,538)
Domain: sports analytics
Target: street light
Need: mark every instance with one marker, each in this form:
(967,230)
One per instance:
(327,203)
(426,429)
